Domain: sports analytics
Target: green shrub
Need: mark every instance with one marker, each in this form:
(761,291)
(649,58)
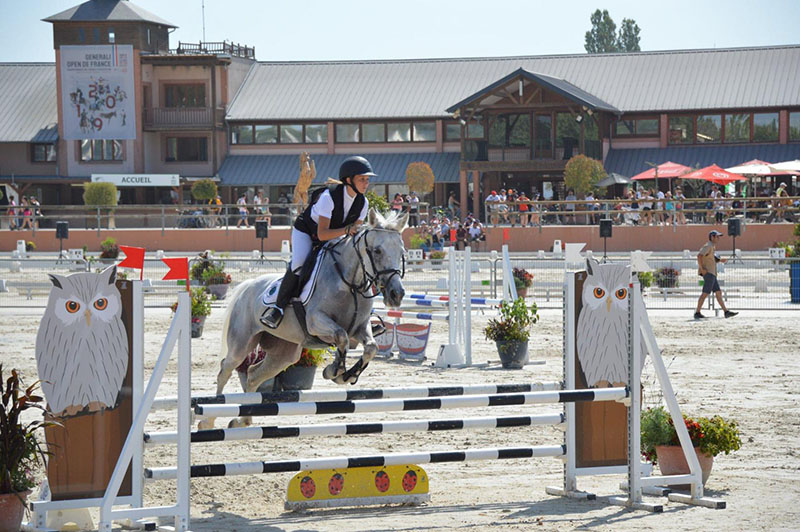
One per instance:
(377,201)
(712,436)
(514,322)
(109,248)
(416,241)
(204,190)
(645,279)
(100,194)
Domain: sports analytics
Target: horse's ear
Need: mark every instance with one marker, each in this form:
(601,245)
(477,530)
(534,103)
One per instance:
(401,222)
(374,217)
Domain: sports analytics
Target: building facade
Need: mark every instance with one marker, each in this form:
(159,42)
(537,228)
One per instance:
(212,110)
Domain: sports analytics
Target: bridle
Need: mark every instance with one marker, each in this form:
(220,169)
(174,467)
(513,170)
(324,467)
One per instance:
(373,281)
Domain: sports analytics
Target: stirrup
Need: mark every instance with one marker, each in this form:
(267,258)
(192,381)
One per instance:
(270,319)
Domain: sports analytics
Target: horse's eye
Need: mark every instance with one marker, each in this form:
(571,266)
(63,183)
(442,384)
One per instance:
(378,251)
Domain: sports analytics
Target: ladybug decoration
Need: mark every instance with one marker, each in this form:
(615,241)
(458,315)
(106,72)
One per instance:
(409,480)
(307,487)
(382,481)
(336,484)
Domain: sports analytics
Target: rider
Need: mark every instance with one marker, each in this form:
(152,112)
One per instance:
(336,212)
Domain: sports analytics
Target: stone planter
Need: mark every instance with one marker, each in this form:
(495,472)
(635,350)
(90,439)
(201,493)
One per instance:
(197,326)
(12,511)
(292,378)
(218,290)
(513,354)
(671,461)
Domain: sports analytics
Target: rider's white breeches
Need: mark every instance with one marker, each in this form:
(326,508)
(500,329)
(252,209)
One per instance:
(301,247)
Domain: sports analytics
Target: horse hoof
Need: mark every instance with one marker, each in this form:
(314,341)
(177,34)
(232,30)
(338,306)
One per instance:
(205,425)
(237,423)
(330,373)
(339,379)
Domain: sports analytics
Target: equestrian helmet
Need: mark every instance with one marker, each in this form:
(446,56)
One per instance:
(355,165)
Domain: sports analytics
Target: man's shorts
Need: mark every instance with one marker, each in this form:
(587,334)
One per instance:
(710,283)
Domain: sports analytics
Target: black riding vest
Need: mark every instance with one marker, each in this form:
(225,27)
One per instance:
(305,224)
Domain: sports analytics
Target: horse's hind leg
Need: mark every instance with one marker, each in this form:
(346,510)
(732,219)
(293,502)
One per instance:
(238,349)
(327,330)
(280,354)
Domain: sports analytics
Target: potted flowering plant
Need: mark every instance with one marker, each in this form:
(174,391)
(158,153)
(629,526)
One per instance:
(109,250)
(298,376)
(20,451)
(211,273)
(201,308)
(710,437)
(437,256)
(667,277)
(511,332)
(522,281)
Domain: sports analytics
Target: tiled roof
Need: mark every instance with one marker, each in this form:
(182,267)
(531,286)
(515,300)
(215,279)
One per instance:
(28,106)
(763,77)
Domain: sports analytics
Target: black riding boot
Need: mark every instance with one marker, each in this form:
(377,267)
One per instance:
(274,314)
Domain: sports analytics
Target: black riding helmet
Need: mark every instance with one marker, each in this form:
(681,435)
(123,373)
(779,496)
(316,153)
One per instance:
(353,166)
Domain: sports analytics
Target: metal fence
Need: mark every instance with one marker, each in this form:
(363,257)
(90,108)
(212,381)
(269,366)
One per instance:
(748,283)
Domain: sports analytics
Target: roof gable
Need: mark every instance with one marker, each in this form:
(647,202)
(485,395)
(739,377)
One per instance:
(107,10)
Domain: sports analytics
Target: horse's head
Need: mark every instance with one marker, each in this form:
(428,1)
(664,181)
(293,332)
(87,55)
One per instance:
(384,247)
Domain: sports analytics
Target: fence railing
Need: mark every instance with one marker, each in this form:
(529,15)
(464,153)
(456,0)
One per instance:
(748,283)
(178,117)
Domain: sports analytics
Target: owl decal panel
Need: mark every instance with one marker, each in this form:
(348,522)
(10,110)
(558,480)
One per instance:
(82,344)
(602,332)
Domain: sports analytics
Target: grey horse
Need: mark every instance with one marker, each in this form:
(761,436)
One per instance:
(338,310)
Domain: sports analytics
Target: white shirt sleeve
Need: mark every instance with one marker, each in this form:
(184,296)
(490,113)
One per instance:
(323,207)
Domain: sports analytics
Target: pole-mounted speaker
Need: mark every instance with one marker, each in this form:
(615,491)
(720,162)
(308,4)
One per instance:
(734,226)
(605,228)
(62,230)
(261,229)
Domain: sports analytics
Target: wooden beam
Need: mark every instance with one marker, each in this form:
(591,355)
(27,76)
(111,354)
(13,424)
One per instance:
(533,95)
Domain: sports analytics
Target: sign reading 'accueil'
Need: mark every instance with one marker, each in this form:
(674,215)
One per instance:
(97,92)
(138,180)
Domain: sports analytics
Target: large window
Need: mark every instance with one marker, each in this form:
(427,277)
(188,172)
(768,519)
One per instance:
(737,128)
(43,153)
(637,127)
(681,129)
(187,149)
(242,134)
(709,129)
(568,131)
(424,132)
(101,150)
(452,131)
(316,133)
(291,134)
(373,132)
(266,134)
(185,95)
(544,137)
(398,132)
(765,127)
(511,131)
(794,125)
(347,133)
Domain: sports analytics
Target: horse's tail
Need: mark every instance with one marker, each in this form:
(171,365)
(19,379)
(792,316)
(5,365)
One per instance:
(236,294)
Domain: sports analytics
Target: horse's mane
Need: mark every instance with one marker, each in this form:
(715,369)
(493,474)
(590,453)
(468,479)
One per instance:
(391,221)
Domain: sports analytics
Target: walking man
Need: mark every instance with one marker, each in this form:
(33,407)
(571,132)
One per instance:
(707,268)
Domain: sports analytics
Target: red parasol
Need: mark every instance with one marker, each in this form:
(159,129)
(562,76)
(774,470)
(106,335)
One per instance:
(714,174)
(666,170)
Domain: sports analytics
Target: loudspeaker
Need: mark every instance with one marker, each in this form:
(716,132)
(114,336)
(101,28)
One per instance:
(62,230)
(261,229)
(734,226)
(605,228)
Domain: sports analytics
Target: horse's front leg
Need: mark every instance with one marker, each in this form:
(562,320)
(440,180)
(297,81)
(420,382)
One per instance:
(364,335)
(327,330)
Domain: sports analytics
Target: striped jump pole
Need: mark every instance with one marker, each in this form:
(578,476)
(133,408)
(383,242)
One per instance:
(399,405)
(475,300)
(344,429)
(427,316)
(288,466)
(342,394)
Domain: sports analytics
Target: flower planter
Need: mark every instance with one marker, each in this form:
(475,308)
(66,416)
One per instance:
(296,378)
(513,354)
(218,290)
(522,292)
(671,461)
(12,511)
(197,326)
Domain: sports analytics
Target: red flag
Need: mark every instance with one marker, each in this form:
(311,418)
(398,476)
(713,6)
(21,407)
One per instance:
(178,269)
(134,258)
(452,235)
(505,234)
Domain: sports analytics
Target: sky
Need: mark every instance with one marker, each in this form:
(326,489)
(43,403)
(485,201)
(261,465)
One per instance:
(316,30)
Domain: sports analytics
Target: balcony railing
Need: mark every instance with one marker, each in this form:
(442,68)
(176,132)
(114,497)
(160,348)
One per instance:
(178,117)
(215,48)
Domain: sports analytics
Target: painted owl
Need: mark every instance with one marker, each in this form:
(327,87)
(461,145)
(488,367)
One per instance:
(602,335)
(82,346)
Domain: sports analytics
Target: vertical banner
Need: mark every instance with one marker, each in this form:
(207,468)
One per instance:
(97,92)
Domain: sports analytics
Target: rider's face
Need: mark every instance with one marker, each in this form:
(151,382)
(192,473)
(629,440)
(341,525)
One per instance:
(361,183)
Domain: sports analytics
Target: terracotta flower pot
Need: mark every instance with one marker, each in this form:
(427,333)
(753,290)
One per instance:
(11,511)
(671,461)
(522,292)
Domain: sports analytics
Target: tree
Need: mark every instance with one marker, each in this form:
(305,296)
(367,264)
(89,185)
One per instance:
(204,190)
(100,194)
(604,39)
(629,36)
(377,202)
(419,177)
(582,172)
